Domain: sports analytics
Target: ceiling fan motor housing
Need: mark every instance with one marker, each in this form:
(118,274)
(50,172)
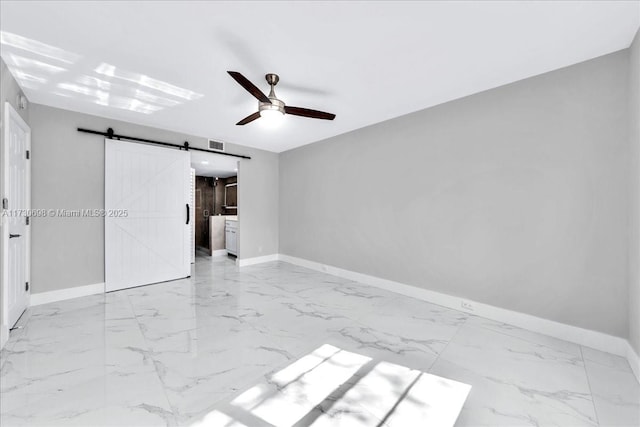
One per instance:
(272,79)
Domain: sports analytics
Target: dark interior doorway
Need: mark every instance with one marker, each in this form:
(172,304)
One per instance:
(213,196)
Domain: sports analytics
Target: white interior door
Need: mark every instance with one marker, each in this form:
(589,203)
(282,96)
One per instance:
(15,230)
(147,230)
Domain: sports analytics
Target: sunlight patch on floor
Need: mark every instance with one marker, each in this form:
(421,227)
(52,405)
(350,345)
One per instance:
(296,390)
(332,387)
(218,419)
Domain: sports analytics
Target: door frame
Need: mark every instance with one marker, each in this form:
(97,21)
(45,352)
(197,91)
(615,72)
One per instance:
(11,116)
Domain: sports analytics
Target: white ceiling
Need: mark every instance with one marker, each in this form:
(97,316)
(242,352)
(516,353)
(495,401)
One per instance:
(164,64)
(209,164)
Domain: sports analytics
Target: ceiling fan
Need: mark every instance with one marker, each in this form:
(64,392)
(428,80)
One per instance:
(271,105)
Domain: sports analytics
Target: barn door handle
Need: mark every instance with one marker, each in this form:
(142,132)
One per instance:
(188,213)
(13,236)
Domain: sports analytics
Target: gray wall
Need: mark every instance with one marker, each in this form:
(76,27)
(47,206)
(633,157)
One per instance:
(68,173)
(634,195)
(258,202)
(514,197)
(9,91)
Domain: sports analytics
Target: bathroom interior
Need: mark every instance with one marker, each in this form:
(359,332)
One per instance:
(215,205)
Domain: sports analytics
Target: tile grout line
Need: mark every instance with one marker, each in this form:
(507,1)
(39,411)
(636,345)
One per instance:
(528,341)
(7,350)
(586,373)
(447,345)
(155,369)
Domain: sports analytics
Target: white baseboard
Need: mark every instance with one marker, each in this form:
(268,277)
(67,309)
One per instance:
(219,252)
(257,260)
(68,293)
(634,361)
(597,340)
(4,335)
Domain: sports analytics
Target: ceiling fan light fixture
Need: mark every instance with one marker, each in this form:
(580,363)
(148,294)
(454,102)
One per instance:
(271,117)
(271,113)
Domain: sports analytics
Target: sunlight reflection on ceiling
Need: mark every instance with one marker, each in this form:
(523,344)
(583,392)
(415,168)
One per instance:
(22,62)
(95,82)
(141,79)
(105,98)
(39,48)
(27,77)
(331,387)
(103,84)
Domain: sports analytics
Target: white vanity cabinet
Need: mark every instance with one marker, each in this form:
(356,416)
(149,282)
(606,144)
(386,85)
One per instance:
(231,236)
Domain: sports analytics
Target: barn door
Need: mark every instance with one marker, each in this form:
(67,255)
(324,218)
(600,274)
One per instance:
(147,230)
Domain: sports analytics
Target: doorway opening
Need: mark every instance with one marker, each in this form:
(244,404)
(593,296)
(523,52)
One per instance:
(215,201)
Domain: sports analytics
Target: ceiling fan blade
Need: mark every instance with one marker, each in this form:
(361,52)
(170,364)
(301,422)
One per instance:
(305,112)
(249,119)
(250,87)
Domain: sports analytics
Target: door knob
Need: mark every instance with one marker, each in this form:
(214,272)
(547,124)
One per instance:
(11,236)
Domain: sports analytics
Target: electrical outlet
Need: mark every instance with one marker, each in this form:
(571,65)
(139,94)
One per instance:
(466,305)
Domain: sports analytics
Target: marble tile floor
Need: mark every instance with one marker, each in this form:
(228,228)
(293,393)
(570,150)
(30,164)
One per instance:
(222,349)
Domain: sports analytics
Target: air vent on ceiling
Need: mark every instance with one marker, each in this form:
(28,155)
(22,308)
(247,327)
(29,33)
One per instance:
(216,145)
